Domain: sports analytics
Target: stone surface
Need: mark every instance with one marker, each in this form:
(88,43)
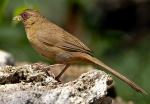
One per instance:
(36,84)
(6,58)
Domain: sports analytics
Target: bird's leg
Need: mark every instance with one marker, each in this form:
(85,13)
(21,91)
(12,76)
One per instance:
(60,74)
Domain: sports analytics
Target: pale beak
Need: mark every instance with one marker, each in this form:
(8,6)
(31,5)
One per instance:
(17,18)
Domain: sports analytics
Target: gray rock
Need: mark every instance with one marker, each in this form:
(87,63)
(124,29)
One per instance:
(6,59)
(33,85)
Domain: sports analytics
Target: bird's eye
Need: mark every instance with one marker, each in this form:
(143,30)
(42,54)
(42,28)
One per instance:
(25,16)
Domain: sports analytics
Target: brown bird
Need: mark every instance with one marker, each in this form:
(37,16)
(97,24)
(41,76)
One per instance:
(55,43)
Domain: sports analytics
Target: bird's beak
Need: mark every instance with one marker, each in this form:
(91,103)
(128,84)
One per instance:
(17,18)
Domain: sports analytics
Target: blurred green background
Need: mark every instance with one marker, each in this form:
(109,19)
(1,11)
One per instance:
(116,30)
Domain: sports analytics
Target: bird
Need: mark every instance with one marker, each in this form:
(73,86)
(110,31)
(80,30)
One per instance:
(55,43)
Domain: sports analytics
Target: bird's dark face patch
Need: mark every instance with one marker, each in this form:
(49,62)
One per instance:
(25,16)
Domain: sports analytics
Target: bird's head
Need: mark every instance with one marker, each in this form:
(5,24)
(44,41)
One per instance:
(28,16)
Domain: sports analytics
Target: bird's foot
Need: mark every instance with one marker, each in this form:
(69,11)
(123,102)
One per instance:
(57,79)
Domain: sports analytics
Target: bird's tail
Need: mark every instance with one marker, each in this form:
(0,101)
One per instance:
(90,59)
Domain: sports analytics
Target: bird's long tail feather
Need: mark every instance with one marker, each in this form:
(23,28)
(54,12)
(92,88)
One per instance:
(90,59)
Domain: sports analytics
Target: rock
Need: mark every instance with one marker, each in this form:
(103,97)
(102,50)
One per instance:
(6,59)
(36,84)
(72,73)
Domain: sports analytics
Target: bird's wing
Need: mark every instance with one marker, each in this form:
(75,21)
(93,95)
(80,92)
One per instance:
(72,44)
(63,40)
